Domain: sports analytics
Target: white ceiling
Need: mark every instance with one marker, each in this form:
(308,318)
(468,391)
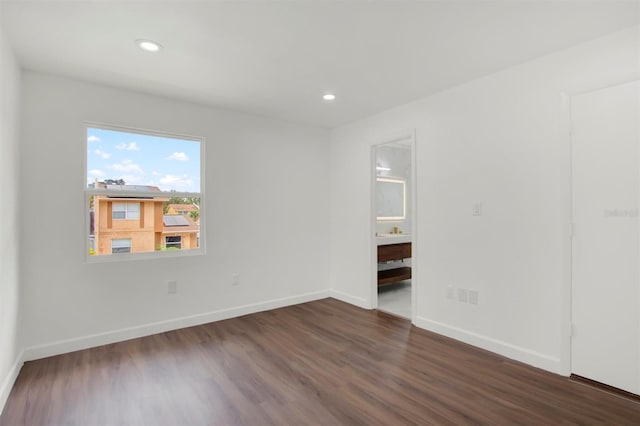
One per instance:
(277,58)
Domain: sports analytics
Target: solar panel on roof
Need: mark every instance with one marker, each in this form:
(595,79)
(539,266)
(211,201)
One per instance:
(175,220)
(143,188)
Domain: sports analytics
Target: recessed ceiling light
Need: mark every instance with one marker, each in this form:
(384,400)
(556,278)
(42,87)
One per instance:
(148,45)
(329,97)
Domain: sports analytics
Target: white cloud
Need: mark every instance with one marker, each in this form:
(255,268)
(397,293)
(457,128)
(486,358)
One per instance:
(173,181)
(131,179)
(131,146)
(127,166)
(179,156)
(93,139)
(104,155)
(96,173)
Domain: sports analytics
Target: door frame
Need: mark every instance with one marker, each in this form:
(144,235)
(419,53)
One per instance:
(410,136)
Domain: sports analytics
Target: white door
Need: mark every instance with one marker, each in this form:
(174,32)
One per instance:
(605,256)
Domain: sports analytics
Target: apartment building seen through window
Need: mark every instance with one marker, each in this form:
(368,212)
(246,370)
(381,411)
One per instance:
(143,193)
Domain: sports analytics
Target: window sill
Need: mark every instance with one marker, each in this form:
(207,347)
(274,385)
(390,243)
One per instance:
(127,257)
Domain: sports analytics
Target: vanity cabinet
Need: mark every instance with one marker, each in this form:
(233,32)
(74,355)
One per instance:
(393,252)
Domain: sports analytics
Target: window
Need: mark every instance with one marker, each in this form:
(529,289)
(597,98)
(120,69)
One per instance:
(126,211)
(121,246)
(142,188)
(175,242)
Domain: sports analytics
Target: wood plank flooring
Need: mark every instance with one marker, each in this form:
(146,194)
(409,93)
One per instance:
(318,363)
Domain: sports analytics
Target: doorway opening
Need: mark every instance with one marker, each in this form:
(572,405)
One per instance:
(394,227)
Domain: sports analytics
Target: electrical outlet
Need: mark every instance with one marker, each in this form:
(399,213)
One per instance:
(450,292)
(235,279)
(172,287)
(463,295)
(473,297)
(477,209)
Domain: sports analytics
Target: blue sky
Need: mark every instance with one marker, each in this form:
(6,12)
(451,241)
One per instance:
(170,164)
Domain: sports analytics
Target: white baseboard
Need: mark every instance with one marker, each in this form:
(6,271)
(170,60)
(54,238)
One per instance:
(10,379)
(79,343)
(508,350)
(353,300)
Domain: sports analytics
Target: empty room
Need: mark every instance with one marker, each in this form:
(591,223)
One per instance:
(319,212)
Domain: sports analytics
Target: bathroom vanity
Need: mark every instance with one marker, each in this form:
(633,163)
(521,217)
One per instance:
(393,248)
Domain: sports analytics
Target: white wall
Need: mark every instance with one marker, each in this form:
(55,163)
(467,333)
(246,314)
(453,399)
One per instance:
(605,246)
(10,345)
(266,209)
(498,140)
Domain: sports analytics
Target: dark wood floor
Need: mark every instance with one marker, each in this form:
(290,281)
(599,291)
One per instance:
(324,362)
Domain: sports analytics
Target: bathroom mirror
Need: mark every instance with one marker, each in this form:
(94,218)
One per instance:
(390,199)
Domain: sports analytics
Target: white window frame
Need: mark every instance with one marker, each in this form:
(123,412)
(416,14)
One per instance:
(121,246)
(128,212)
(89,192)
(173,243)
